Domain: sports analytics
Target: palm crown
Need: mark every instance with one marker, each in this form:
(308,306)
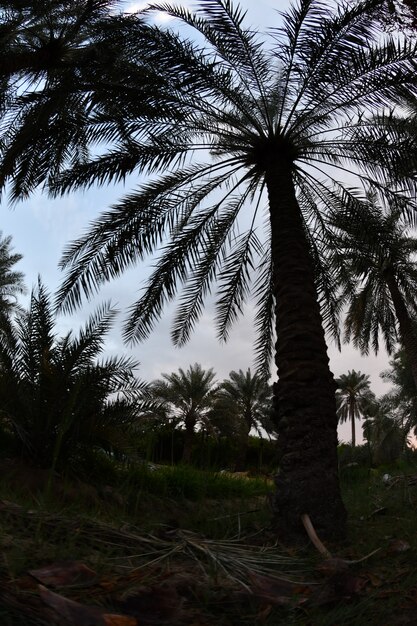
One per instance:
(189,396)
(376,250)
(243,103)
(354,397)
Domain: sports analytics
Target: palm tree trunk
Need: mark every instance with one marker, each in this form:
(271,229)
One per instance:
(407,330)
(304,402)
(240,464)
(352,421)
(189,438)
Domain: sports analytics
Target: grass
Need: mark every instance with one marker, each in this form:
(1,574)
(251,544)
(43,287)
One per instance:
(196,539)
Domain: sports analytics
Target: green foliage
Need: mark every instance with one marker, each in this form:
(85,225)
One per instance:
(55,397)
(185,482)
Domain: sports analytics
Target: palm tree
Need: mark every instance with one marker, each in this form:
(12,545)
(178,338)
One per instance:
(241,123)
(378,252)
(188,396)
(353,397)
(383,432)
(402,398)
(246,397)
(11,281)
(54,395)
(61,60)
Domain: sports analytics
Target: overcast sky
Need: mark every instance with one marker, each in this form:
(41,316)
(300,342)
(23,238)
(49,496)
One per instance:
(41,227)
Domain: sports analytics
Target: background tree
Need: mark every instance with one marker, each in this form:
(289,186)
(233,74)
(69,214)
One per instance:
(62,61)
(383,432)
(245,400)
(378,254)
(353,398)
(402,398)
(189,396)
(11,281)
(55,397)
(279,118)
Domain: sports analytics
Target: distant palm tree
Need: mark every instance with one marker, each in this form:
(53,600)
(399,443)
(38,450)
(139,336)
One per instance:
(383,432)
(55,397)
(353,397)
(188,396)
(245,398)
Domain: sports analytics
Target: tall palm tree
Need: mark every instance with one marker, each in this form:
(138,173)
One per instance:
(54,395)
(242,123)
(378,255)
(247,398)
(189,395)
(353,396)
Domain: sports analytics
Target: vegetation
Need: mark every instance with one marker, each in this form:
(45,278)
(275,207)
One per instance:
(353,398)
(187,397)
(55,398)
(243,403)
(220,126)
(380,279)
(267,125)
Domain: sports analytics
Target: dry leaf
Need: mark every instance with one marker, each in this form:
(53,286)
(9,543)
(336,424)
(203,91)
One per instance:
(63,574)
(154,605)
(76,614)
(278,591)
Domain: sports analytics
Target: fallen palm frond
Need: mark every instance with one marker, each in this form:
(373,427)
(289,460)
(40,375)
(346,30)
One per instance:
(230,558)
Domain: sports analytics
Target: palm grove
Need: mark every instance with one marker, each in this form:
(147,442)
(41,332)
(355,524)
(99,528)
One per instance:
(248,150)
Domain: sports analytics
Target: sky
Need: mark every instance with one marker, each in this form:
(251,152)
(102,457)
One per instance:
(41,227)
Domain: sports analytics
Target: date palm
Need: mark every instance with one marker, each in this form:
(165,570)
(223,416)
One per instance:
(378,253)
(60,60)
(402,398)
(55,396)
(11,282)
(246,397)
(248,132)
(354,397)
(188,396)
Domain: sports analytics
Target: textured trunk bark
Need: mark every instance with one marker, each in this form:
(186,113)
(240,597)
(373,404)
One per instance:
(304,403)
(407,330)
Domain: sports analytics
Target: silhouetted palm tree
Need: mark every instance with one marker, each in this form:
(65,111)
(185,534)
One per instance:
(54,395)
(245,123)
(62,60)
(189,395)
(353,396)
(383,432)
(402,398)
(246,399)
(11,281)
(378,254)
